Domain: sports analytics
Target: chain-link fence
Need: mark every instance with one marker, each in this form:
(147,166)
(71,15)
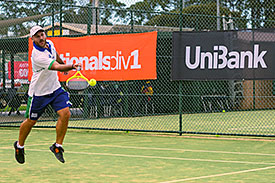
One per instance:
(238,107)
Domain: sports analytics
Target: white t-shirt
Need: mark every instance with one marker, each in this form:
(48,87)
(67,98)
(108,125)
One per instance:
(44,81)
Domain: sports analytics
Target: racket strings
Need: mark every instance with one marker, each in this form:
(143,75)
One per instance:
(77,84)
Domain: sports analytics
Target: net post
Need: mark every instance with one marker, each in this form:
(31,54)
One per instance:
(52,20)
(132,21)
(86,105)
(60,18)
(90,16)
(127,99)
(181,14)
(12,69)
(97,17)
(180,107)
(3,69)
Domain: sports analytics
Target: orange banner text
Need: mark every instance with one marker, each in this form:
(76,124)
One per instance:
(108,57)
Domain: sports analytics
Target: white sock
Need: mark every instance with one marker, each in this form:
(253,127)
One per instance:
(21,147)
(58,145)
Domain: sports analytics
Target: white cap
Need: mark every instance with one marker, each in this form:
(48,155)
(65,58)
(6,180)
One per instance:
(35,29)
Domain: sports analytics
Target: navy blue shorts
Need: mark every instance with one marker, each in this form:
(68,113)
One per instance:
(59,99)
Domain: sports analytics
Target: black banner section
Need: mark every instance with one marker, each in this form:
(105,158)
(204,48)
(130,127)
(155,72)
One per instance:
(224,55)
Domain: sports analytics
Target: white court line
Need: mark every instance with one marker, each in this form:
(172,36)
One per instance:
(160,157)
(155,148)
(171,149)
(152,157)
(219,175)
(5,161)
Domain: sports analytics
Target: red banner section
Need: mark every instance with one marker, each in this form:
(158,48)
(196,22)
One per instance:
(108,57)
(20,70)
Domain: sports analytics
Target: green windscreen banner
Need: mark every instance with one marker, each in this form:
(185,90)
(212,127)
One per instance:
(228,55)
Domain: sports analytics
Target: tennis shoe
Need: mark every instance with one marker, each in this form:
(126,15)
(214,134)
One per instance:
(58,152)
(19,153)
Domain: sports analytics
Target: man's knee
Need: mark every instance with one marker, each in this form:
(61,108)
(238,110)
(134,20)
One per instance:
(67,114)
(30,122)
(64,113)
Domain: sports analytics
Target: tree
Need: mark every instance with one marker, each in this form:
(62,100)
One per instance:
(245,13)
(108,10)
(19,9)
(144,10)
(269,14)
(261,13)
(200,17)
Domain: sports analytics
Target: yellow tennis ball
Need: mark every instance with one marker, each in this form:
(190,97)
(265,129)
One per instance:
(92,82)
(223,110)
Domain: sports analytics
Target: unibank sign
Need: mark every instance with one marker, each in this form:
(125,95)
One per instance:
(231,60)
(223,55)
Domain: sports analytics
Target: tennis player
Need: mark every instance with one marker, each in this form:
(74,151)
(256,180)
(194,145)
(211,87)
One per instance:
(45,90)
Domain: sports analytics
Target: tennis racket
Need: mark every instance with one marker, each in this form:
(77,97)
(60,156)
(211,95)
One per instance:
(77,81)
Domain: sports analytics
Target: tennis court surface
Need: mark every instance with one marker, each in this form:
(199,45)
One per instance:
(99,156)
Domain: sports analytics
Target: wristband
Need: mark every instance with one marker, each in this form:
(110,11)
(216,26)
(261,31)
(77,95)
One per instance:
(72,66)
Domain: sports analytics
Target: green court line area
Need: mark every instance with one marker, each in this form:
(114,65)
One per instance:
(104,156)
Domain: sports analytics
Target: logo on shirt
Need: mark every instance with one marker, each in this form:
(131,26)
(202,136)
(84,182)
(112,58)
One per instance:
(34,115)
(38,70)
